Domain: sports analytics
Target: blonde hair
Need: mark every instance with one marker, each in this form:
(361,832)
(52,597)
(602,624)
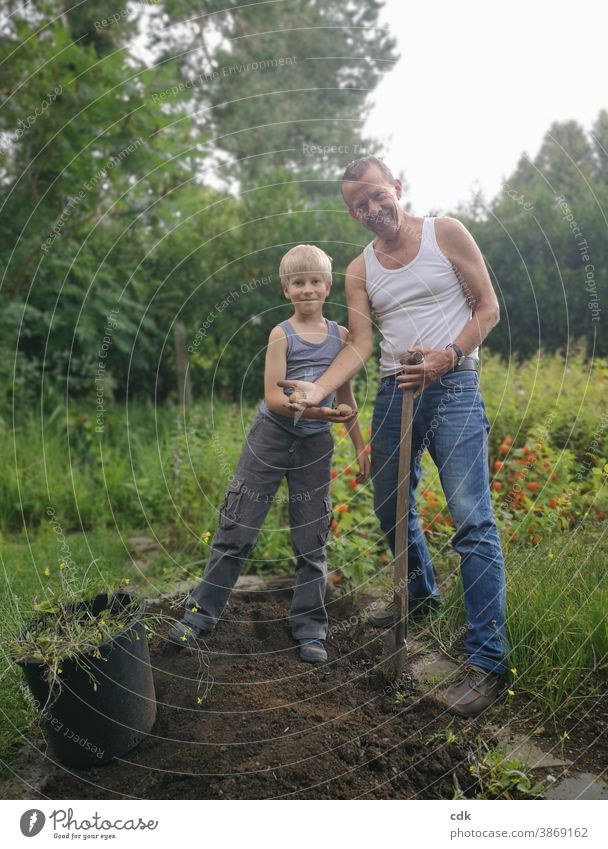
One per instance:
(302,259)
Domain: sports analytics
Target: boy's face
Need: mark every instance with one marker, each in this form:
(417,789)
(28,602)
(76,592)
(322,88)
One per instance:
(307,290)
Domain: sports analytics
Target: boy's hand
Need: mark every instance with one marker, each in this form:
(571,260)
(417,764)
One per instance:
(364,466)
(326,414)
(311,395)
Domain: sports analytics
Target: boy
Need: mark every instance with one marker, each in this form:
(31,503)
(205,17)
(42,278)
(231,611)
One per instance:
(284,443)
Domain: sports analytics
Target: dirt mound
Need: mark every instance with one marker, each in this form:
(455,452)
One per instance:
(270,726)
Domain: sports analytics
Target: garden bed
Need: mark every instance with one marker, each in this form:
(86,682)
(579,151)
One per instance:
(268,726)
(272,727)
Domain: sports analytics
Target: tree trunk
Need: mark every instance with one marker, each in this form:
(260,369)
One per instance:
(184,389)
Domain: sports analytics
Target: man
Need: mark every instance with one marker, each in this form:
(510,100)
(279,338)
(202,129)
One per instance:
(427,283)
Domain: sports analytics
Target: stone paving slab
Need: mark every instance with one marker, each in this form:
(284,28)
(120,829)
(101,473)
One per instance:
(585,785)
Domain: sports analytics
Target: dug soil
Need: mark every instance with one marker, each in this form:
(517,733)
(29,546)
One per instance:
(253,722)
(247,720)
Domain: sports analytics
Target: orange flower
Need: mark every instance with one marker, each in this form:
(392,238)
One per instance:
(437,517)
(348,470)
(533,486)
(553,502)
(334,525)
(368,448)
(427,527)
(499,465)
(336,579)
(334,474)
(383,558)
(504,448)
(531,459)
(341,430)
(352,483)
(496,486)
(342,508)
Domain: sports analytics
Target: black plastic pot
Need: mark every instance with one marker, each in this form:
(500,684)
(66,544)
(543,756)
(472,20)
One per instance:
(90,722)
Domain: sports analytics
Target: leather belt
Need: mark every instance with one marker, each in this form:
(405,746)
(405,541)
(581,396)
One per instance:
(468,364)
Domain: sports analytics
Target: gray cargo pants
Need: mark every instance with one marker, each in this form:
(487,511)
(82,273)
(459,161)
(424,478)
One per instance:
(271,453)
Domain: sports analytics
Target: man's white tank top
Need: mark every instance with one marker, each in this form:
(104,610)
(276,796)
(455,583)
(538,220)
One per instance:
(421,303)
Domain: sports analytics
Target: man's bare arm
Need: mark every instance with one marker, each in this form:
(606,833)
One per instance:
(461,249)
(457,244)
(357,350)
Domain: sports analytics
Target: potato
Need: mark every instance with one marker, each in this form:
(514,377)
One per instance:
(344,410)
(297,396)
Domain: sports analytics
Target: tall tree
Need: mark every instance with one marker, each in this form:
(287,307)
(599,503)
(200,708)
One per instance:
(88,155)
(288,84)
(565,158)
(599,137)
(543,237)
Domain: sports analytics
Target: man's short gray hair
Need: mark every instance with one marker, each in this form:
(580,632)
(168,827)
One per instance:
(357,168)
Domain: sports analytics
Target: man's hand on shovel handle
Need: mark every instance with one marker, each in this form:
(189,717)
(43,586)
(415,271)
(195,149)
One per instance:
(435,363)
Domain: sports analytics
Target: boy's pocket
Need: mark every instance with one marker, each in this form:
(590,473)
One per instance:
(326,521)
(229,510)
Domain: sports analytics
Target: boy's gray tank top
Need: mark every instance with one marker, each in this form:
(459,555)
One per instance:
(306,361)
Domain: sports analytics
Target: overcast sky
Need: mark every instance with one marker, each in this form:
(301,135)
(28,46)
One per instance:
(479,83)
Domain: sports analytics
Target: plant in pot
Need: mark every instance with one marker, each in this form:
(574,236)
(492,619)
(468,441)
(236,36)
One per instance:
(86,661)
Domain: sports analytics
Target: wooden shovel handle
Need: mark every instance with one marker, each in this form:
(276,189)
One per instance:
(400,577)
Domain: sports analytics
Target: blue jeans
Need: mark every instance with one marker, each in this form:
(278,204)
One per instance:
(450,420)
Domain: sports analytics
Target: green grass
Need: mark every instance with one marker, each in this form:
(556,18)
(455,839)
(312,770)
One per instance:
(500,776)
(146,470)
(557,621)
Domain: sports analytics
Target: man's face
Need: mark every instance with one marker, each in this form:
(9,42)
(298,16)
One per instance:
(374,202)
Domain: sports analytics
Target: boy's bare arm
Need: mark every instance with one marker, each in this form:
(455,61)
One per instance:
(274,373)
(344,395)
(357,350)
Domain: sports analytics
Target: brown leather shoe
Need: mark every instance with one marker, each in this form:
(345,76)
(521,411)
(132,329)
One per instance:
(475,691)
(383,617)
